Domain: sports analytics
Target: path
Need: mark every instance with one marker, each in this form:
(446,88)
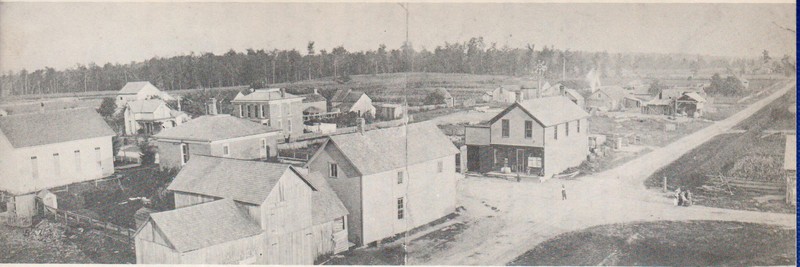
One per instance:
(529,213)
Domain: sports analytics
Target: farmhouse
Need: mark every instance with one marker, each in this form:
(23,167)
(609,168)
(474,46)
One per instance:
(216,135)
(658,107)
(790,167)
(352,101)
(606,98)
(50,149)
(264,213)
(391,180)
(150,116)
(507,94)
(541,136)
(634,102)
(272,107)
(140,91)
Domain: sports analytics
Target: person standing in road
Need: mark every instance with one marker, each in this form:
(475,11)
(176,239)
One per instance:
(563,192)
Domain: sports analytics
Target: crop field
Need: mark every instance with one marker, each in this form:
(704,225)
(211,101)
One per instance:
(756,154)
(696,243)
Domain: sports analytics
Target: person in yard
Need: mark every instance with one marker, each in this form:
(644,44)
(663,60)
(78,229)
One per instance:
(518,178)
(689,197)
(563,192)
(678,197)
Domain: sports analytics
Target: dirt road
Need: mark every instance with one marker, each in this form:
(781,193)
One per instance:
(507,218)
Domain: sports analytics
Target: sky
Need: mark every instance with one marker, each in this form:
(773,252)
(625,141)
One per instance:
(61,35)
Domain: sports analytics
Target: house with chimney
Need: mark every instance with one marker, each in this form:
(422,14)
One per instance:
(315,106)
(40,151)
(606,98)
(542,136)
(142,90)
(216,135)
(347,100)
(232,211)
(391,180)
(150,116)
(273,107)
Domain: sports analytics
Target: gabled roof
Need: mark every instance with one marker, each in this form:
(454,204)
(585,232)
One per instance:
(131,88)
(145,106)
(204,225)
(694,96)
(214,128)
(790,153)
(679,91)
(547,111)
(310,98)
(347,96)
(241,180)
(326,206)
(443,92)
(55,126)
(614,92)
(264,95)
(381,150)
(574,93)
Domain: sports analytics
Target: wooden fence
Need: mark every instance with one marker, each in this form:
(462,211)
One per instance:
(118,233)
(750,185)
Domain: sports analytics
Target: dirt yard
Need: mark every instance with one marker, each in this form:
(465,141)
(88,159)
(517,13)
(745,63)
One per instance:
(756,154)
(697,243)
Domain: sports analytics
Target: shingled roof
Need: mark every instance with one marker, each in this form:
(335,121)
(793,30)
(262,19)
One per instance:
(55,126)
(310,98)
(214,128)
(134,87)
(548,111)
(347,96)
(145,106)
(614,92)
(241,180)
(380,150)
(326,205)
(204,225)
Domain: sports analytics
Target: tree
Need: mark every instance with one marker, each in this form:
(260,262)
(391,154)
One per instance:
(108,107)
(655,87)
(434,98)
(148,153)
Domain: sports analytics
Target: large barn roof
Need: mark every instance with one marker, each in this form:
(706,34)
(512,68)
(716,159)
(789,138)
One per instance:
(381,150)
(204,225)
(241,180)
(548,111)
(55,126)
(131,88)
(214,128)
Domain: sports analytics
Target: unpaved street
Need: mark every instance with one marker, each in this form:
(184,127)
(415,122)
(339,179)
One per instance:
(507,218)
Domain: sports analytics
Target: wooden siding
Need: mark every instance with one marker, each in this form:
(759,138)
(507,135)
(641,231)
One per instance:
(152,248)
(231,252)
(328,242)
(183,199)
(286,216)
(347,187)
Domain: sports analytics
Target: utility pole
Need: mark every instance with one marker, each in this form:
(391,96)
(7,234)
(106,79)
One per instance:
(564,70)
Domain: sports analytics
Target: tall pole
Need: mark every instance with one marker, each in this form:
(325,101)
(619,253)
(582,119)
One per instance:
(407,215)
(564,70)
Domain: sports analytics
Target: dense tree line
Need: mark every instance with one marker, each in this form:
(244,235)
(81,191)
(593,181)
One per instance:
(261,66)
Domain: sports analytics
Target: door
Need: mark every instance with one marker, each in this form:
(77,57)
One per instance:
(520,160)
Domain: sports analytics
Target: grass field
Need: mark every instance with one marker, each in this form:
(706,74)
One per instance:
(724,152)
(696,243)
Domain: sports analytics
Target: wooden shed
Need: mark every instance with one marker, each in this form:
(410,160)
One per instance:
(217,232)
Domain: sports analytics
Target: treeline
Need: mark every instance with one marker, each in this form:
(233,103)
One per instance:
(234,68)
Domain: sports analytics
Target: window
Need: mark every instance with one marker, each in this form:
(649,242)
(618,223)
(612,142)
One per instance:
(34,168)
(338,224)
(555,132)
(184,153)
(280,124)
(579,126)
(333,170)
(505,126)
(440,166)
(77,161)
(249,111)
(226,150)
(264,147)
(400,208)
(98,158)
(566,131)
(56,165)
(261,110)
(528,129)
(241,111)
(289,125)
(534,162)
(400,177)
